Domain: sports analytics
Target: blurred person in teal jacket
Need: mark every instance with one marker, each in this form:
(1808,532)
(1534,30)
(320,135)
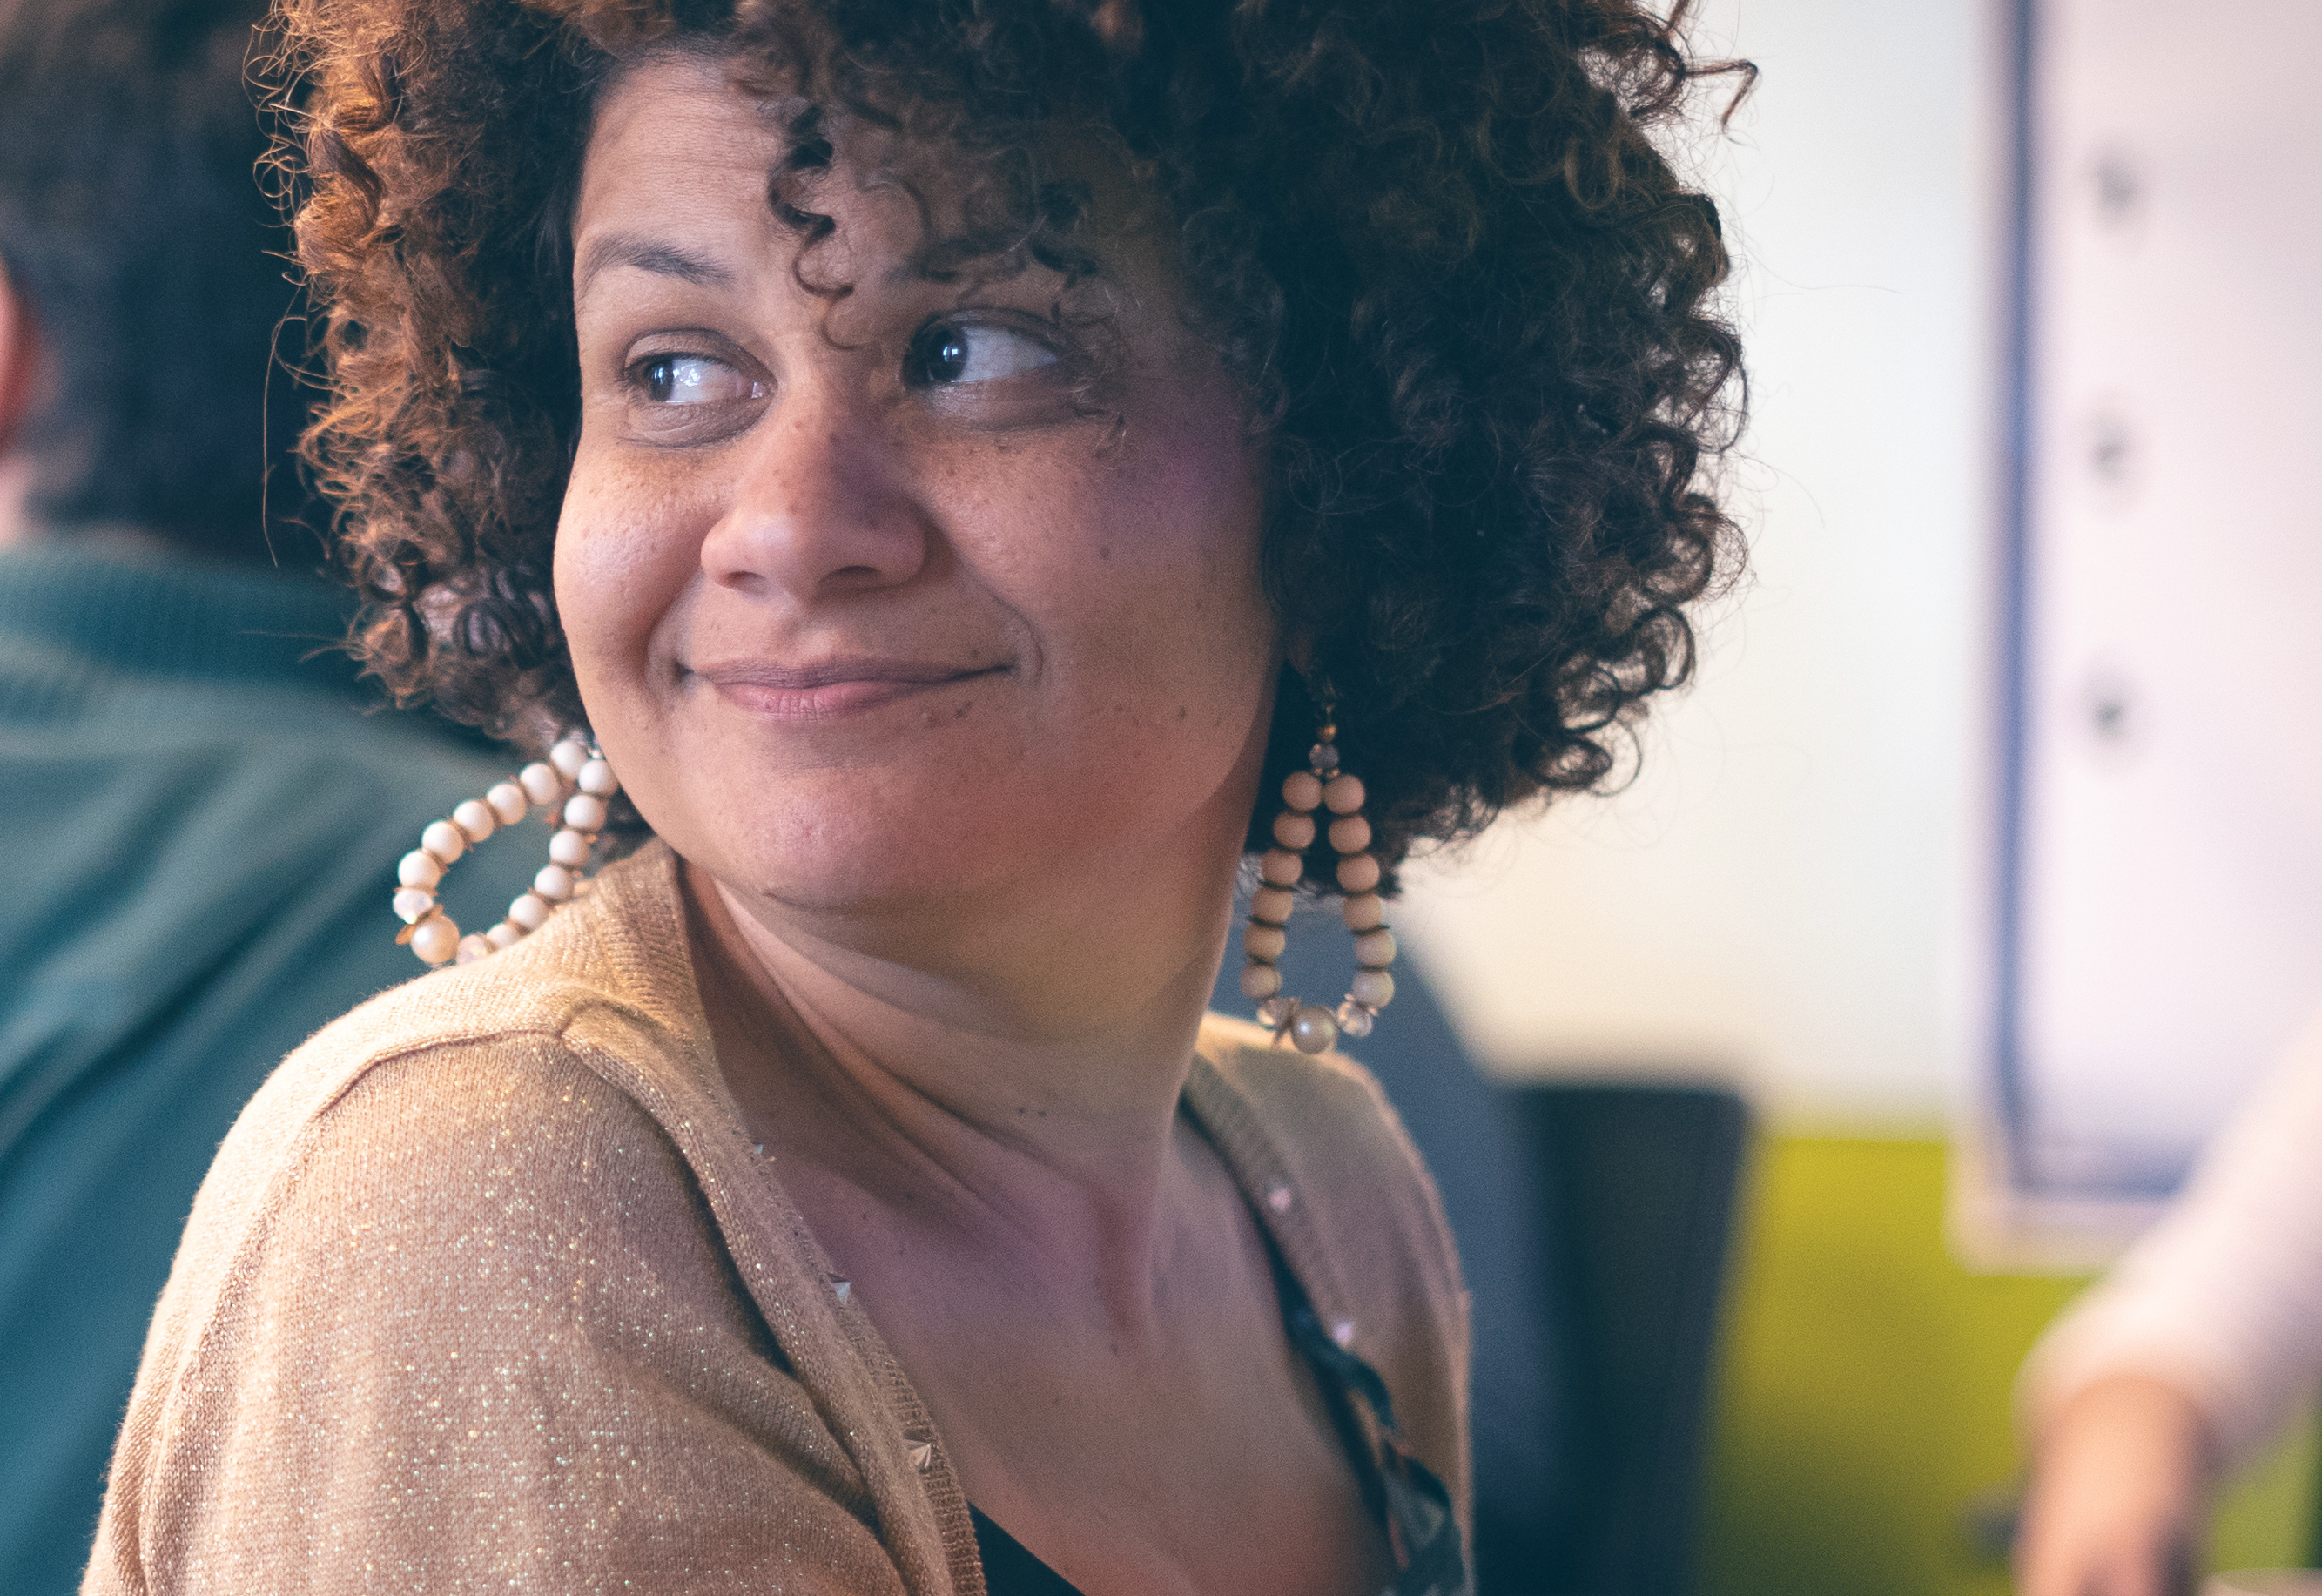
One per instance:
(204,807)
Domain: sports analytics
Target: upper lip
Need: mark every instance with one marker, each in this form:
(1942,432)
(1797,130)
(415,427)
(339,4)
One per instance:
(804,678)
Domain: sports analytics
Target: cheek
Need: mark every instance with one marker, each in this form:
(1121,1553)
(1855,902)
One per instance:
(1175,591)
(623,560)
(1138,573)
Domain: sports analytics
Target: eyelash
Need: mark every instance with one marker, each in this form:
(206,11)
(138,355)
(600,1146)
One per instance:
(917,356)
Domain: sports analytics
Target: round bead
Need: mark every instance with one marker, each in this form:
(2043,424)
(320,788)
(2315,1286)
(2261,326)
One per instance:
(530,911)
(1260,980)
(413,904)
(419,868)
(472,948)
(444,840)
(554,883)
(584,812)
(1351,835)
(1263,942)
(597,777)
(1324,756)
(568,756)
(1344,795)
(1312,1029)
(569,849)
(1358,872)
(1375,949)
(508,801)
(1354,1020)
(541,785)
(1277,1010)
(436,940)
(1374,989)
(1295,831)
(1272,904)
(1363,911)
(1301,791)
(475,819)
(503,935)
(1277,868)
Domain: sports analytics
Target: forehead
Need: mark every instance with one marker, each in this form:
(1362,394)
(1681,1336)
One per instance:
(678,146)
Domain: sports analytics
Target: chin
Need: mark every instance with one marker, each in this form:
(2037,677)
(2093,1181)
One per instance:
(864,858)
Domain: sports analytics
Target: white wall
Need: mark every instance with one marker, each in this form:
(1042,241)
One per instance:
(1777,899)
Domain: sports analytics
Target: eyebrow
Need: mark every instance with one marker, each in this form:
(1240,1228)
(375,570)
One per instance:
(645,254)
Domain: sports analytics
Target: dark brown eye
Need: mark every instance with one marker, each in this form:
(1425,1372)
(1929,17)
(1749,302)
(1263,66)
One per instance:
(949,352)
(693,380)
(940,354)
(661,380)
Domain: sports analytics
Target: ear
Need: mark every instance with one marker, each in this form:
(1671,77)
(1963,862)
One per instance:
(18,355)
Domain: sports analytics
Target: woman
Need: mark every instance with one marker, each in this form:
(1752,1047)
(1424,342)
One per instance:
(2185,1361)
(975,471)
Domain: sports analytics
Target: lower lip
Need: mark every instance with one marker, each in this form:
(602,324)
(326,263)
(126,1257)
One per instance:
(833,701)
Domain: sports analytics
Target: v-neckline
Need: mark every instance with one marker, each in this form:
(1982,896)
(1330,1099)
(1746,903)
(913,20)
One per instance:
(1405,1499)
(1217,1105)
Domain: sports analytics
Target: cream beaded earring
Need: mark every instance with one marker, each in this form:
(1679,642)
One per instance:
(1311,1027)
(574,783)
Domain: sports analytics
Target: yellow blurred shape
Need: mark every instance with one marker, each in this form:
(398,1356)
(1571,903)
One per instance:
(1862,1444)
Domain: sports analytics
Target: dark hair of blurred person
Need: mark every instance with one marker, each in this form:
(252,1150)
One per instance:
(206,810)
(144,279)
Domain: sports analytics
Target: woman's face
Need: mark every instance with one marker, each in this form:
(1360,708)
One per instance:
(874,602)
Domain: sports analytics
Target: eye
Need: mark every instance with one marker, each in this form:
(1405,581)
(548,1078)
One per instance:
(957,352)
(693,380)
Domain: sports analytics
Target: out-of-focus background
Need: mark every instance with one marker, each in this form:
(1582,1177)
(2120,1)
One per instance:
(1795,896)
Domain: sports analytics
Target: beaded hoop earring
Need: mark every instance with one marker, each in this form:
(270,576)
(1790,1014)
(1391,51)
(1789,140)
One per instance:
(1309,1027)
(575,784)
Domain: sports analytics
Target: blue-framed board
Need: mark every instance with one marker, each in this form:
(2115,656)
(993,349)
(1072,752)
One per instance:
(2156,928)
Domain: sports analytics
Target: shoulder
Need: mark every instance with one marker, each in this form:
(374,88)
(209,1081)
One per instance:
(1324,1116)
(396,1151)
(608,979)
(541,1076)
(476,1282)
(1336,1143)
(1326,1160)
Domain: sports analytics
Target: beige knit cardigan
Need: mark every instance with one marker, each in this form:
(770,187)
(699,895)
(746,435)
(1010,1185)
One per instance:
(489,1290)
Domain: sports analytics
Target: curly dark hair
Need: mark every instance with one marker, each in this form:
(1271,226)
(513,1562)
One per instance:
(1470,302)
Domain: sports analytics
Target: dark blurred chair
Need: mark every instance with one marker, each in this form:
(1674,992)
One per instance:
(1635,1188)
(1593,1221)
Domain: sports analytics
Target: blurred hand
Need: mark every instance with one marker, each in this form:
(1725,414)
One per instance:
(2120,1487)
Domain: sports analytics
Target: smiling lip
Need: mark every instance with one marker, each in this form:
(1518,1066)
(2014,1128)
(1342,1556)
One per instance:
(829,691)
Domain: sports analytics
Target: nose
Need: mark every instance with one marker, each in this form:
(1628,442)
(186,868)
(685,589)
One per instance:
(822,507)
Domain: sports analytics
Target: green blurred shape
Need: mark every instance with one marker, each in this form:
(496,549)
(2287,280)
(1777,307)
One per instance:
(1863,1444)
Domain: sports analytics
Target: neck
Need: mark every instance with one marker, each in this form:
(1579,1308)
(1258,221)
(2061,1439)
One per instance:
(1018,1102)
